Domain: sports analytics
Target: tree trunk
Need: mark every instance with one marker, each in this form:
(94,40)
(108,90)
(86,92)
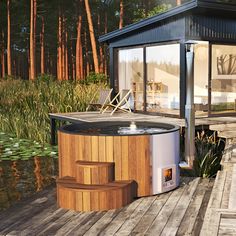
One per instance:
(33,13)
(79,46)
(81,62)
(66,56)
(105,56)
(178,2)
(100,46)
(59,48)
(121,14)
(3,55)
(87,61)
(92,37)
(9,39)
(63,49)
(42,59)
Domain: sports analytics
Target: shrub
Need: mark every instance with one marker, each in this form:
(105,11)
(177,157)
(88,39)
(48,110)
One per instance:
(208,154)
(94,78)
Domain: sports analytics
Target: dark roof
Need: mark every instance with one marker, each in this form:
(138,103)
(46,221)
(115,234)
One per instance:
(196,6)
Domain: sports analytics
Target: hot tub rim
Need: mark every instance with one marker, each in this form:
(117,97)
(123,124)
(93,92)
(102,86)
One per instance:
(63,128)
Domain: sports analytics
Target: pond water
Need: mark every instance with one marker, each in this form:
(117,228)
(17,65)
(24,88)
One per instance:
(22,178)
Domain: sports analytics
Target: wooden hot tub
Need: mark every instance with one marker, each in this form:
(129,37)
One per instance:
(101,169)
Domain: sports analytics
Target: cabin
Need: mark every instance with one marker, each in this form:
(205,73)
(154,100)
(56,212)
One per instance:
(149,57)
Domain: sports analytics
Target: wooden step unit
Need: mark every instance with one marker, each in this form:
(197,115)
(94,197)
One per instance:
(81,197)
(94,173)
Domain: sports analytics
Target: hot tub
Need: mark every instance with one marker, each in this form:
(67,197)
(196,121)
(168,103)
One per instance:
(145,152)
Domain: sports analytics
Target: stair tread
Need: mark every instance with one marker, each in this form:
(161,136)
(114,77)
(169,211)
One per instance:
(70,182)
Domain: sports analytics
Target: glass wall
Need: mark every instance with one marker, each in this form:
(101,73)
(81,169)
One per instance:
(130,74)
(163,79)
(201,74)
(223,81)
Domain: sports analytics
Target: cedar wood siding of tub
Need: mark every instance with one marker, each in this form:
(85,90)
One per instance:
(130,154)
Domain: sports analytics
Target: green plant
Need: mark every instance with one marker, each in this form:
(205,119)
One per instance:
(12,149)
(208,154)
(25,105)
(94,78)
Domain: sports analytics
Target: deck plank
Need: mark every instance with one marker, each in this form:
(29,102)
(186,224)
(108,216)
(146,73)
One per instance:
(44,222)
(177,215)
(232,194)
(163,216)
(201,214)
(83,228)
(187,224)
(34,220)
(123,216)
(146,221)
(75,222)
(145,216)
(214,203)
(135,217)
(57,224)
(30,210)
(102,222)
(227,189)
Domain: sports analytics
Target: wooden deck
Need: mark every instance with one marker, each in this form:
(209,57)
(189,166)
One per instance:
(179,212)
(220,217)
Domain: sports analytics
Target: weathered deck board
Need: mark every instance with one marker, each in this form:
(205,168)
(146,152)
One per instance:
(190,219)
(220,215)
(136,216)
(163,216)
(151,214)
(121,217)
(146,216)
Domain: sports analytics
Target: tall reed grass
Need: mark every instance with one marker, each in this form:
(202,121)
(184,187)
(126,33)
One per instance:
(24,105)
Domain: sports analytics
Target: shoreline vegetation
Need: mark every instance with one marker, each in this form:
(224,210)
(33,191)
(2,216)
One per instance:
(25,105)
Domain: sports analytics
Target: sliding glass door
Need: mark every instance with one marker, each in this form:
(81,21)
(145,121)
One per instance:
(163,79)
(201,78)
(223,79)
(130,75)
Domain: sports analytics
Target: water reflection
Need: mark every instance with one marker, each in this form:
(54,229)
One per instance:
(20,179)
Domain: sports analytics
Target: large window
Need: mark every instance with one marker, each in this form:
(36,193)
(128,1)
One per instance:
(201,74)
(130,74)
(163,79)
(223,81)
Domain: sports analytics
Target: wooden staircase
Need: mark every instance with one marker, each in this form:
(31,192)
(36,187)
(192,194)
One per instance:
(94,188)
(220,217)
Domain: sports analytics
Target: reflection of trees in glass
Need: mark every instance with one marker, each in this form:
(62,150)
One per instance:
(226,64)
(167,67)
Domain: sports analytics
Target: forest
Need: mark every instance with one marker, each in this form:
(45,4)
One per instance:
(60,38)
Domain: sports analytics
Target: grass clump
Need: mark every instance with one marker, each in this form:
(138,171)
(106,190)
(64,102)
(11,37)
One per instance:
(208,154)
(24,105)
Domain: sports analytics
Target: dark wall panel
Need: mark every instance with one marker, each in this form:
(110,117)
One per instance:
(210,28)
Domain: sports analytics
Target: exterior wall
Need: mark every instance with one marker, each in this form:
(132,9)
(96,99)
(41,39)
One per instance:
(210,28)
(181,28)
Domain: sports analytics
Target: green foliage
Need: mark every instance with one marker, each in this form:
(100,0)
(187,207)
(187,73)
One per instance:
(208,155)
(25,105)
(94,78)
(159,9)
(12,149)
(223,106)
(141,14)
